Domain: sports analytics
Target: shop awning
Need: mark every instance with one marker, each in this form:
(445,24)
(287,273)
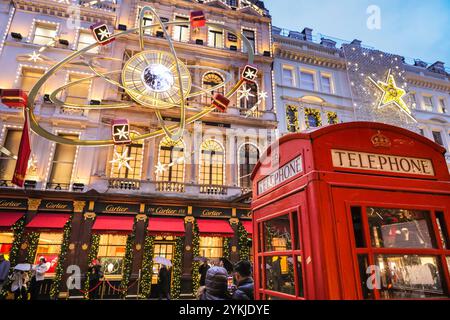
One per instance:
(170,226)
(213,227)
(248,225)
(49,221)
(107,223)
(7,219)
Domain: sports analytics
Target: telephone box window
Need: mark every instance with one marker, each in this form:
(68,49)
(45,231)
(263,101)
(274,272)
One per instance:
(280,274)
(400,228)
(358,227)
(442,230)
(410,277)
(277,234)
(364,273)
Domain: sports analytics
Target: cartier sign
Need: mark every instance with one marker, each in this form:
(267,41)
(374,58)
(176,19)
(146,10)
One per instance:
(13,204)
(212,212)
(381,162)
(116,208)
(166,210)
(281,175)
(55,205)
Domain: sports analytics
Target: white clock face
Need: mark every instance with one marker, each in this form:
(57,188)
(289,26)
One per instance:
(151,78)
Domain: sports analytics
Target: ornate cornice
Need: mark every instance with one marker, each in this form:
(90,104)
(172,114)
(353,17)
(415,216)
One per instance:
(311,57)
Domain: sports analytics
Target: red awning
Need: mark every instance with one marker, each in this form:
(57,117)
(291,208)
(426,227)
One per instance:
(7,219)
(215,227)
(108,223)
(172,226)
(248,225)
(49,221)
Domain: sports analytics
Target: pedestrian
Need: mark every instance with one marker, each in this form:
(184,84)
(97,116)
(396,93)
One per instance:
(225,263)
(244,280)
(203,269)
(4,270)
(37,280)
(164,283)
(19,281)
(216,286)
(95,275)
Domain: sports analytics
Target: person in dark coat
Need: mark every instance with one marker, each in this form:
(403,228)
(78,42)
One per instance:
(164,283)
(203,269)
(245,285)
(216,286)
(95,275)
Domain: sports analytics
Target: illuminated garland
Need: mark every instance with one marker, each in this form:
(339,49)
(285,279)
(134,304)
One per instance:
(128,262)
(244,245)
(316,114)
(56,284)
(176,273)
(147,267)
(32,240)
(18,229)
(93,252)
(195,253)
(226,248)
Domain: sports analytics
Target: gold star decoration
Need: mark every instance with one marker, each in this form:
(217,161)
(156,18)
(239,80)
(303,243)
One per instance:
(122,133)
(391,94)
(160,168)
(121,159)
(245,93)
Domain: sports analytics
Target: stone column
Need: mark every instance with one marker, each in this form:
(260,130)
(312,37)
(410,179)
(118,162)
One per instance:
(138,250)
(186,273)
(234,254)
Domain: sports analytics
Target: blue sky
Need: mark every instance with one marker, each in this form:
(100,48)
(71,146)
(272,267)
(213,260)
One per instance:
(412,28)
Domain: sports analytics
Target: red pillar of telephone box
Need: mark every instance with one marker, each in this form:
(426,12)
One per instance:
(348,202)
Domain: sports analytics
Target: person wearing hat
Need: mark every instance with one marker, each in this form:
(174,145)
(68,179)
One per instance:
(216,286)
(37,280)
(244,280)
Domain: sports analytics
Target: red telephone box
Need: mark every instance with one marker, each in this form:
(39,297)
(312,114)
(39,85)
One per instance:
(352,211)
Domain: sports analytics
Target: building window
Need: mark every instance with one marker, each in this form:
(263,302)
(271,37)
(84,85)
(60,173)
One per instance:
(163,247)
(326,84)
(6,241)
(211,80)
(288,77)
(111,252)
(30,77)
(312,118)
(171,154)
(8,164)
(85,39)
(215,37)
(62,164)
(181,33)
(248,157)
(442,106)
(211,247)
(133,151)
(250,35)
(413,100)
(307,80)
(437,136)
(147,20)
(78,93)
(44,33)
(49,247)
(250,101)
(332,117)
(292,119)
(212,163)
(232,3)
(428,103)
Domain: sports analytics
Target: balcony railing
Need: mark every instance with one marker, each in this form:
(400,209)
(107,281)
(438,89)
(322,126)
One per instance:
(124,184)
(213,189)
(104,5)
(57,186)
(165,186)
(6,184)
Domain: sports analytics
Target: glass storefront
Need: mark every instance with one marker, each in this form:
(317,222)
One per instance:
(111,252)
(399,260)
(6,240)
(211,247)
(49,247)
(163,247)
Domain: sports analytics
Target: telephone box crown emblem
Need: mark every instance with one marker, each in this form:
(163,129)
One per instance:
(379,140)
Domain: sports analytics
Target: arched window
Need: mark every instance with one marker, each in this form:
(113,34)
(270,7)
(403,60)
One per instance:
(133,155)
(210,80)
(312,118)
(171,155)
(249,100)
(248,157)
(211,163)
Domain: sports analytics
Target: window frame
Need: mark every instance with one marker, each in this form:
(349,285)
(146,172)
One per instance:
(328,76)
(216,32)
(43,23)
(292,81)
(313,73)
(201,178)
(427,107)
(252,40)
(183,28)
(247,164)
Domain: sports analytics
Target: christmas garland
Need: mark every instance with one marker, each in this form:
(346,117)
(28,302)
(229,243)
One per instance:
(226,248)
(195,253)
(176,273)
(244,245)
(92,254)
(32,240)
(128,262)
(56,284)
(147,267)
(18,229)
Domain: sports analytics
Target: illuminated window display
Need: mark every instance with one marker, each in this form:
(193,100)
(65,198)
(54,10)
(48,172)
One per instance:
(211,247)
(49,247)
(6,240)
(163,247)
(111,253)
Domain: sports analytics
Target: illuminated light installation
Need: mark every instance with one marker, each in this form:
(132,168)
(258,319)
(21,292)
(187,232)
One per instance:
(391,94)
(121,131)
(162,82)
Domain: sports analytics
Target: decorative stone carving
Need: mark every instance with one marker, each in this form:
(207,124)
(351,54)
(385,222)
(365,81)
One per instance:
(89,215)
(33,204)
(78,206)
